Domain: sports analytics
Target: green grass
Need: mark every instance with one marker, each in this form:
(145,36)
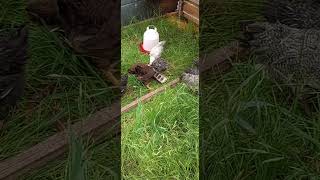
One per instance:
(160,138)
(60,86)
(180,50)
(249,129)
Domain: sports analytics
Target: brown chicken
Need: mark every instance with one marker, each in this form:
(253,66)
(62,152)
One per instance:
(143,72)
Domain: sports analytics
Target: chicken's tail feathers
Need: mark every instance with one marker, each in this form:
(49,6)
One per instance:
(162,43)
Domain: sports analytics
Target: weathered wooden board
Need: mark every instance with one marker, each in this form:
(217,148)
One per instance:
(168,6)
(191,11)
(220,60)
(195,1)
(148,96)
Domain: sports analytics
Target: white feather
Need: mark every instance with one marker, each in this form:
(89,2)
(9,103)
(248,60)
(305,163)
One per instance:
(156,51)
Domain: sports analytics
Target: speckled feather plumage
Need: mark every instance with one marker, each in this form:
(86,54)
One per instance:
(191,76)
(160,65)
(289,55)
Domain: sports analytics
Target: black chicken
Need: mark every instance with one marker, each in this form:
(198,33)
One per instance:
(13,57)
(92,28)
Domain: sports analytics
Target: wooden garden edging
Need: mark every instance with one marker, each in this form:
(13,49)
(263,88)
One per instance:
(220,60)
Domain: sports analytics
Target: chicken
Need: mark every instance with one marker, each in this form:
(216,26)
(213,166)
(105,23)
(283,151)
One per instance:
(289,56)
(160,65)
(143,72)
(156,52)
(191,77)
(13,57)
(92,28)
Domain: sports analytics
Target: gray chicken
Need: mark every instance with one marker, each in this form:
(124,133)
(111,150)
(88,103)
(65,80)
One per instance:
(160,65)
(191,77)
(13,57)
(290,56)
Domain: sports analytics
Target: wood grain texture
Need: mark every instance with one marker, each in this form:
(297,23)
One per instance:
(220,59)
(148,96)
(191,11)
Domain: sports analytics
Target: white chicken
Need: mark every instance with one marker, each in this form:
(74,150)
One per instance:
(156,51)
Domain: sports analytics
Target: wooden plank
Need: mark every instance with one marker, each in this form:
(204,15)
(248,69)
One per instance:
(194,1)
(56,145)
(191,11)
(168,6)
(221,59)
(148,96)
(191,18)
(151,19)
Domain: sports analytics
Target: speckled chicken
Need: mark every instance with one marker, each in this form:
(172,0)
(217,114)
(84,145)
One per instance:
(191,76)
(290,56)
(92,28)
(160,65)
(13,57)
(294,13)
